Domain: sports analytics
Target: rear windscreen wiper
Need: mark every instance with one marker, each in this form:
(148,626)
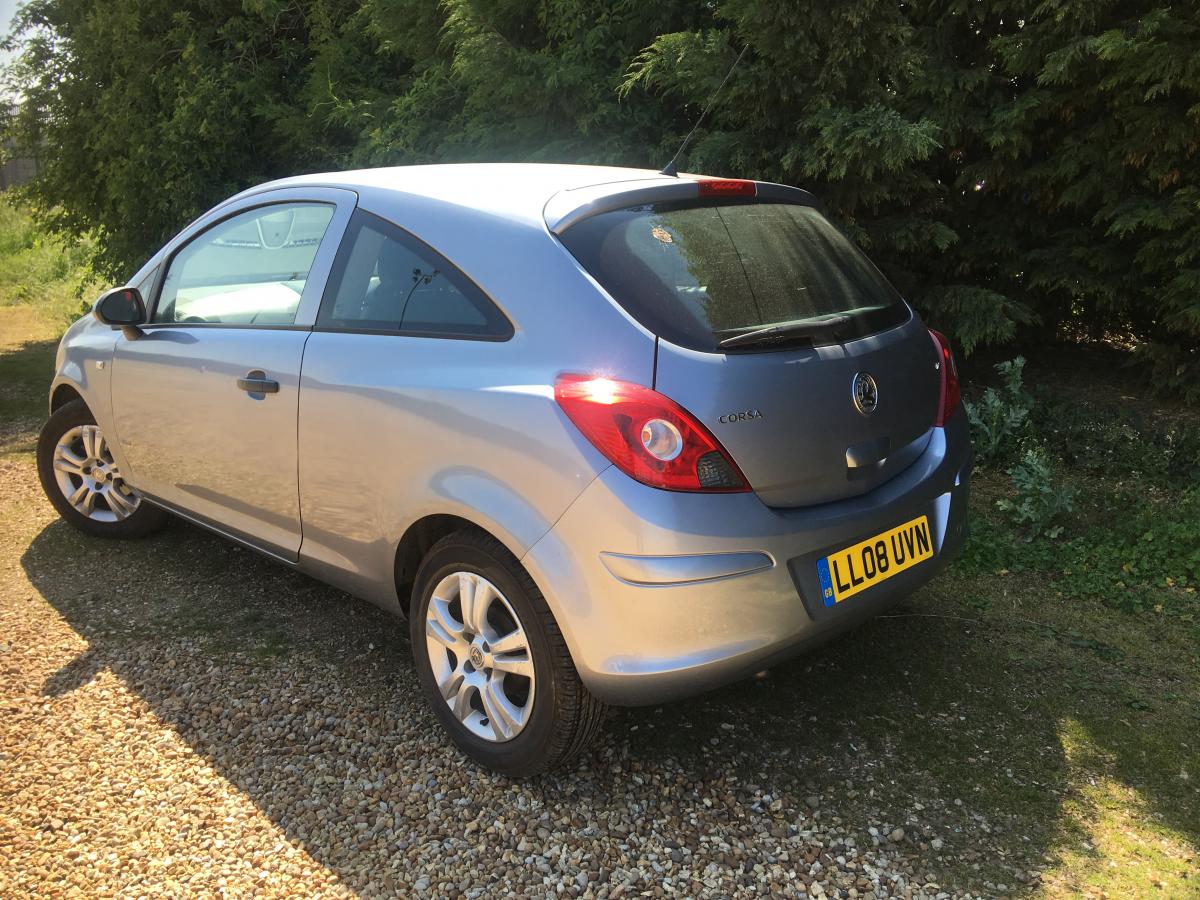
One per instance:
(806,328)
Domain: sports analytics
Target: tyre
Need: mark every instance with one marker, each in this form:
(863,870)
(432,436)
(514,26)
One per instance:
(492,661)
(82,481)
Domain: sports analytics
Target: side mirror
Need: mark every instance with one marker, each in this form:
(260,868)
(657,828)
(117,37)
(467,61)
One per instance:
(121,308)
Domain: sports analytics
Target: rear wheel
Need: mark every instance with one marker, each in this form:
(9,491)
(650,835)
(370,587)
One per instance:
(83,482)
(492,661)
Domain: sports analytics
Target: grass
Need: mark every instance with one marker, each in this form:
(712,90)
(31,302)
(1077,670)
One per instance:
(1036,708)
(42,285)
(27,345)
(1132,540)
(39,270)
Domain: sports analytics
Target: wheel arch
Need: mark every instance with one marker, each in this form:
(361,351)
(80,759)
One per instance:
(465,502)
(415,543)
(63,394)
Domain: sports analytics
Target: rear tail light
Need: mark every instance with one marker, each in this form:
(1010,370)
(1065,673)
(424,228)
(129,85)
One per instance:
(647,436)
(951,393)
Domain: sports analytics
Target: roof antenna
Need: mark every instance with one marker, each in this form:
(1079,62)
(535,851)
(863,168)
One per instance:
(669,168)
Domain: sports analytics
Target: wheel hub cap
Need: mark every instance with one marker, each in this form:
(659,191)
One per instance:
(89,478)
(480,656)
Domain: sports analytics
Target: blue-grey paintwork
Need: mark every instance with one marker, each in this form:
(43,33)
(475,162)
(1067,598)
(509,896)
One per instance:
(658,594)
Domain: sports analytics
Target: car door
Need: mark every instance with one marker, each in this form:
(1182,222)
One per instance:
(205,398)
(391,388)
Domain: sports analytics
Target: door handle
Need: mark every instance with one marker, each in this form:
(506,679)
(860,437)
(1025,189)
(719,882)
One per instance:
(256,382)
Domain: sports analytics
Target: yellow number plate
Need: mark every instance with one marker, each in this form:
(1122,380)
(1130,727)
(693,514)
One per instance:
(847,572)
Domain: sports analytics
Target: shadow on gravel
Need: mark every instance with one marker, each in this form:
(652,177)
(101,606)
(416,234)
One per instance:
(304,698)
(23,364)
(75,674)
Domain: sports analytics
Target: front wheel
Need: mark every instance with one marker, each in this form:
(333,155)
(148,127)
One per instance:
(82,480)
(492,661)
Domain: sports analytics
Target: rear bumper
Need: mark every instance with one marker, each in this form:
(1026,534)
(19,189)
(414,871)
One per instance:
(661,595)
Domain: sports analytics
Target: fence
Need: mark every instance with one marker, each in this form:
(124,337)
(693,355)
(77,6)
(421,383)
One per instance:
(16,170)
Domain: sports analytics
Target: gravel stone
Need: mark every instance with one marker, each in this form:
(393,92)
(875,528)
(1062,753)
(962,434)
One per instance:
(181,718)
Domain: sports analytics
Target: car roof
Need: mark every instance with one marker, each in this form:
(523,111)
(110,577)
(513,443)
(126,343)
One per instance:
(512,190)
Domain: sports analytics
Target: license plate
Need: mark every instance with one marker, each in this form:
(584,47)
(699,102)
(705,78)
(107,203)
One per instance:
(854,569)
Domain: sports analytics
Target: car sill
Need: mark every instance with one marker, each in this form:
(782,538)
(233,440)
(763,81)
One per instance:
(244,540)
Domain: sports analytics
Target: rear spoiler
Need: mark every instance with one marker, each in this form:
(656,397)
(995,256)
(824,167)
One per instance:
(567,207)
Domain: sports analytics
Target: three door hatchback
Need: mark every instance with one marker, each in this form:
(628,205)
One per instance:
(602,436)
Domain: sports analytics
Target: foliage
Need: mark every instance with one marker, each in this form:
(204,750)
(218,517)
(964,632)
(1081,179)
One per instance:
(1000,418)
(1119,441)
(39,269)
(1140,554)
(1124,564)
(1042,501)
(1019,170)
(1132,537)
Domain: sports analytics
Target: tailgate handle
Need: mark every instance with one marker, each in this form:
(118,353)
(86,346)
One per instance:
(868,455)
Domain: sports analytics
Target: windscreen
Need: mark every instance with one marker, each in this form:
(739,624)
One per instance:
(736,276)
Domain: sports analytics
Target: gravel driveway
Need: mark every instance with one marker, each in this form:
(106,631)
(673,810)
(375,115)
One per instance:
(178,716)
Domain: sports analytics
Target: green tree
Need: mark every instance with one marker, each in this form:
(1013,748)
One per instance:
(1009,164)
(1021,170)
(149,111)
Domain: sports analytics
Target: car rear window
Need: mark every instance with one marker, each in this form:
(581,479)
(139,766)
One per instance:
(699,274)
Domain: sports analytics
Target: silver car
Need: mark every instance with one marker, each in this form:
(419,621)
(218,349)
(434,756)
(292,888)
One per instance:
(603,436)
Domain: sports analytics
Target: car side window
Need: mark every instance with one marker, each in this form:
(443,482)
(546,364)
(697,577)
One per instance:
(146,285)
(385,279)
(249,269)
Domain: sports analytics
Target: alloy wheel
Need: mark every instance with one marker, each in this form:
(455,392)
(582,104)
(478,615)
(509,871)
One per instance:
(89,478)
(480,656)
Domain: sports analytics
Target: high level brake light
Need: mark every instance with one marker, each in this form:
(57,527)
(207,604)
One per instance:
(951,392)
(647,436)
(727,187)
